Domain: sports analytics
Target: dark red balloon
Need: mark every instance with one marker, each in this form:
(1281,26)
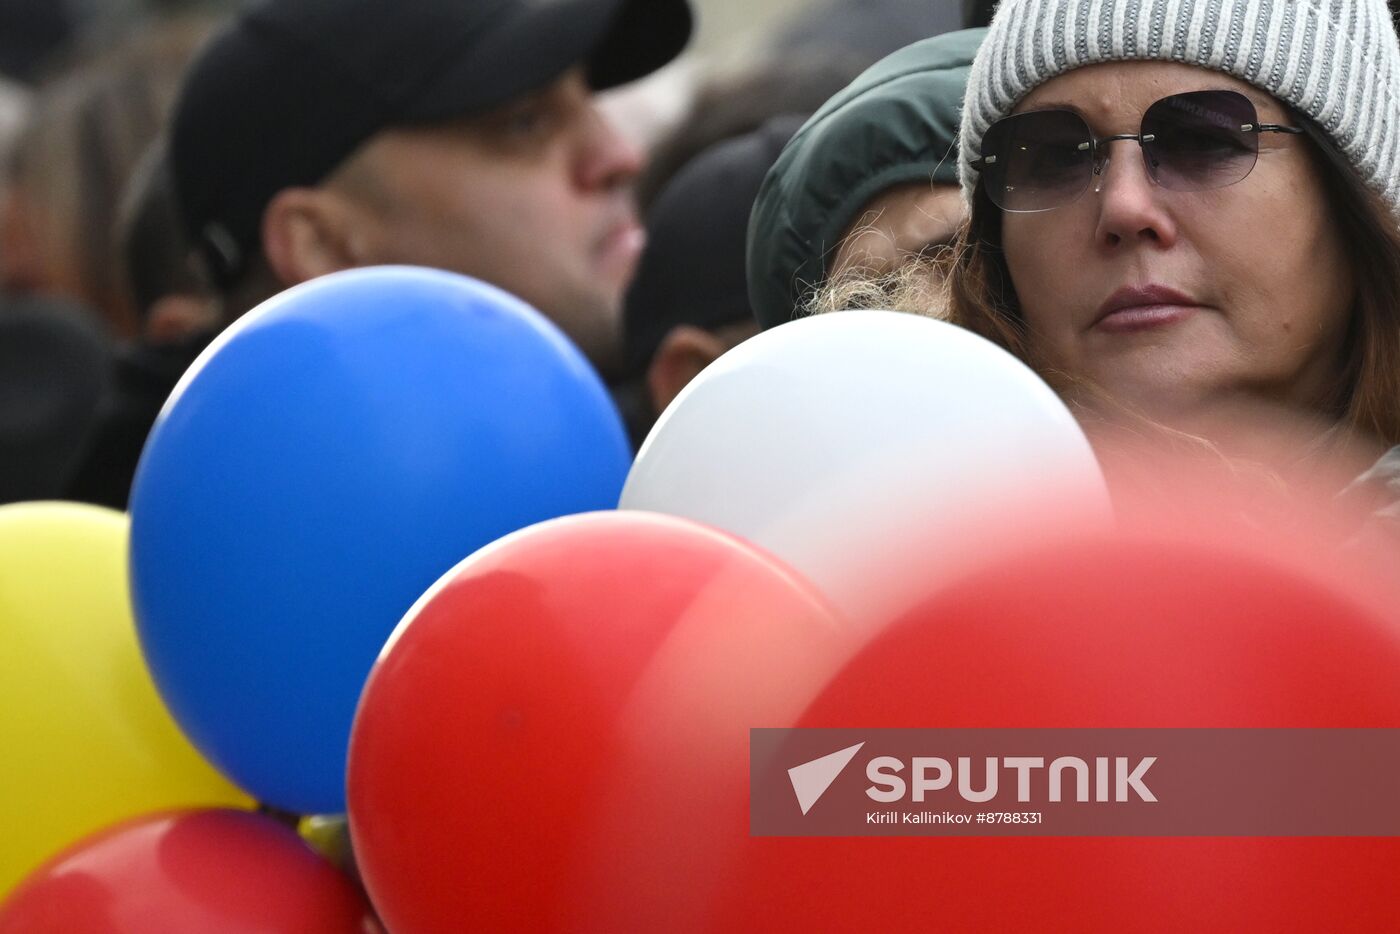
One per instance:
(1148,630)
(214,871)
(483,751)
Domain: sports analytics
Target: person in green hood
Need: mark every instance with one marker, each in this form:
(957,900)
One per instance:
(868,182)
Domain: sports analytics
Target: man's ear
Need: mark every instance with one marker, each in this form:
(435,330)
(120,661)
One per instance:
(684,352)
(308,232)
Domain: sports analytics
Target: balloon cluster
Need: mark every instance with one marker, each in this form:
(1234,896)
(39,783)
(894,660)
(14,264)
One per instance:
(377,566)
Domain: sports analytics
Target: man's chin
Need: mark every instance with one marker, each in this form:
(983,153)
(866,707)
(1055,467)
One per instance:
(592,319)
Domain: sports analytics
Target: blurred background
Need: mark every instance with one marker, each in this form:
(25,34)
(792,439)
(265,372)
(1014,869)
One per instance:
(723,24)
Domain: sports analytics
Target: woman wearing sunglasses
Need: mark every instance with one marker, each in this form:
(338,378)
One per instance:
(1187,210)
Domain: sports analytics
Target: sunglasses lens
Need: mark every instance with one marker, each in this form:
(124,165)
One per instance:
(1196,141)
(1043,160)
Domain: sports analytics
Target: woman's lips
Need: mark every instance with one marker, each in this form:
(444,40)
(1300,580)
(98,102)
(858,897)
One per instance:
(1144,318)
(1142,308)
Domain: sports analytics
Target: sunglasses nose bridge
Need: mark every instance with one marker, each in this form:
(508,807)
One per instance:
(1103,153)
(1098,155)
(1103,157)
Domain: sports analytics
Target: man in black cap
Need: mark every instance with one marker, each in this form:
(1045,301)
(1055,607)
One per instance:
(317,135)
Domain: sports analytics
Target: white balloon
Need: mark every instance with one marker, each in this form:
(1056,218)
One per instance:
(872,451)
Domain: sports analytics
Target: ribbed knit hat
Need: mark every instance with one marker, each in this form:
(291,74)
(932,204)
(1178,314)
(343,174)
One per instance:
(1336,61)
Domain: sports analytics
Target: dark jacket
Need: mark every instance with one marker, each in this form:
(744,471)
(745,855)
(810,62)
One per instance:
(143,377)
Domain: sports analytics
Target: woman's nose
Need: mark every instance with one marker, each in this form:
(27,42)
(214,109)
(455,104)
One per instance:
(1131,206)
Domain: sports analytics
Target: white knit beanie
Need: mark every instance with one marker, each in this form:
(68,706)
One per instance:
(1337,61)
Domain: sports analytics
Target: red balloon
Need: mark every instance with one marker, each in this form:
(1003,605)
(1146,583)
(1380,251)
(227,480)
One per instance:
(213,871)
(481,754)
(1147,630)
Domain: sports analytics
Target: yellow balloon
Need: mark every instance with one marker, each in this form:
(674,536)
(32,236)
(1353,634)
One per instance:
(85,740)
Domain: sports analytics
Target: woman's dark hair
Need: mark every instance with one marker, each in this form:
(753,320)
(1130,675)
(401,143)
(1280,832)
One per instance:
(1369,394)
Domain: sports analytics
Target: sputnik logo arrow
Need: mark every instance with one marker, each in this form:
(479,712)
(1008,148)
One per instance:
(810,780)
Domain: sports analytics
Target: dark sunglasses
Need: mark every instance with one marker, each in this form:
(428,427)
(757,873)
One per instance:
(1195,141)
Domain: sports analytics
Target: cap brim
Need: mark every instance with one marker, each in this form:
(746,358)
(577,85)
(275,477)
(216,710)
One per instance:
(616,40)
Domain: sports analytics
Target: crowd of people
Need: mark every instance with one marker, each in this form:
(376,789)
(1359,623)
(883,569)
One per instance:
(1183,217)
(168,178)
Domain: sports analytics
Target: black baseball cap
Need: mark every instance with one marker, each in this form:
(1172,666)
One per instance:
(290,88)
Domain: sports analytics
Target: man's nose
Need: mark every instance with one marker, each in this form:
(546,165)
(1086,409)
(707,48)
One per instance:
(608,159)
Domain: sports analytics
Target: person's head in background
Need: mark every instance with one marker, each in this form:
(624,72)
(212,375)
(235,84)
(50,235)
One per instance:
(867,184)
(84,132)
(170,298)
(728,103)
(689,303)
(317,136)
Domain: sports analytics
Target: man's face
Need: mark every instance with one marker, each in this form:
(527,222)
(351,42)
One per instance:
(533,197)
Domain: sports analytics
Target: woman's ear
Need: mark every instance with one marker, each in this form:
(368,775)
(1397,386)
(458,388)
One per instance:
(684,352)
(308,232)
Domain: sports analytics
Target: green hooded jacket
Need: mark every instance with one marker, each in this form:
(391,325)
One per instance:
(896,123)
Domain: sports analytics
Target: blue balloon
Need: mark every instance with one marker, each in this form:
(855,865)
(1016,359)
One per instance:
(328,458)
